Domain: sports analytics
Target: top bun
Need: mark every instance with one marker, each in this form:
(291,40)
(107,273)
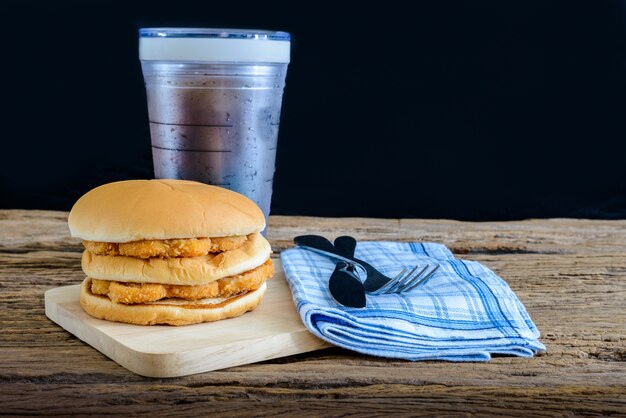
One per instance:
(135,210)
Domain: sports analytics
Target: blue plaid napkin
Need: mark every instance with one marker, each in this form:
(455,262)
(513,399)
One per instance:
(464,312)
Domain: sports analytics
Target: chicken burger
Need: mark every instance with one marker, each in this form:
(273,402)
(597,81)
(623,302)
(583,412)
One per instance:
(170,252)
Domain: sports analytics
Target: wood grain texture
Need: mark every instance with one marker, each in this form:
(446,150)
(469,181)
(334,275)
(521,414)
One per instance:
(570,274)
(272,330)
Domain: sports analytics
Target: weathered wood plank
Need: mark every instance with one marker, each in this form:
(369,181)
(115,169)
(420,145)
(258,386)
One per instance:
(359,401)
(570,274)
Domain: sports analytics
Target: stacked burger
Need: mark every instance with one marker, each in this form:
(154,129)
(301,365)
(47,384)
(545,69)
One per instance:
(170,252)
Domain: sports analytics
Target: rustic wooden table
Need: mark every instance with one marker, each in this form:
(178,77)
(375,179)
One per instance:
(570,274)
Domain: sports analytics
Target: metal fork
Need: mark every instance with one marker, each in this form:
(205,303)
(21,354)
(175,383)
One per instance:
(376,283)
(405,282)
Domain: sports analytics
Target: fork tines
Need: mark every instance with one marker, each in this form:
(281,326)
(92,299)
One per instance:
(404,282)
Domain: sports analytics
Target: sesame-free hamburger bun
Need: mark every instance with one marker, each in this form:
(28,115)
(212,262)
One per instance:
(170,312)
(170,252)
(161,209)
(179,270)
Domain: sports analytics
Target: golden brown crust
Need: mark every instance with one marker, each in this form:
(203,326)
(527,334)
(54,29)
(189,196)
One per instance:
(221,244)
(168,248)
(102,248)
(100,287)
(151,314)
(180,270)
(190,247)
(249,280)
(130,293)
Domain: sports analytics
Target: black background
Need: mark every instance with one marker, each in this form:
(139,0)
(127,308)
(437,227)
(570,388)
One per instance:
(444,109)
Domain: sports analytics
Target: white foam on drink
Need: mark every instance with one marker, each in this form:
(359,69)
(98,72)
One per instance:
(213,50)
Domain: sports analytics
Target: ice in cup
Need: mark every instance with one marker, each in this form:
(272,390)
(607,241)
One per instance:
(214,101)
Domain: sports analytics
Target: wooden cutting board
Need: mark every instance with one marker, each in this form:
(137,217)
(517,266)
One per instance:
(272,330)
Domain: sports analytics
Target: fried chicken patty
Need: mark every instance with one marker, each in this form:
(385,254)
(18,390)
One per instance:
(167,248)
(130,293)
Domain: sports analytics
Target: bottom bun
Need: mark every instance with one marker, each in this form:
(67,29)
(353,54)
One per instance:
(171,312)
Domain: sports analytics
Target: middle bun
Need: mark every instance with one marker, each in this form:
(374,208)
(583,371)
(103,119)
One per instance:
(180,271)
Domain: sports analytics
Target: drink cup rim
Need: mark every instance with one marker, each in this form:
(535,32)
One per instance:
(215,33)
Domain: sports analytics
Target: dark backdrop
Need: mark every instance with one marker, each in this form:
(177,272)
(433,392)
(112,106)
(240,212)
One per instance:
(467,110)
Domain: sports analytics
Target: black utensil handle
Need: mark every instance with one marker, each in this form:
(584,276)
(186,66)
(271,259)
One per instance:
(321,245)
(374,279)
(346,289)
(317,242)
(345,245)
(333,255)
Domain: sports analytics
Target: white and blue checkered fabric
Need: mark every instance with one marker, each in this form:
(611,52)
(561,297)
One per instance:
(464,312)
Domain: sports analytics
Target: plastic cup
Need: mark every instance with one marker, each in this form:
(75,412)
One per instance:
(214,101)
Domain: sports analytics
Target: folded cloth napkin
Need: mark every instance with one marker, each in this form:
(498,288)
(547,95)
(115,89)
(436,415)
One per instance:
(464,312)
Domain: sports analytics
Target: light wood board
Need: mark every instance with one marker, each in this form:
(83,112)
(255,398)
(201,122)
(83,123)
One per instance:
(272,330)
